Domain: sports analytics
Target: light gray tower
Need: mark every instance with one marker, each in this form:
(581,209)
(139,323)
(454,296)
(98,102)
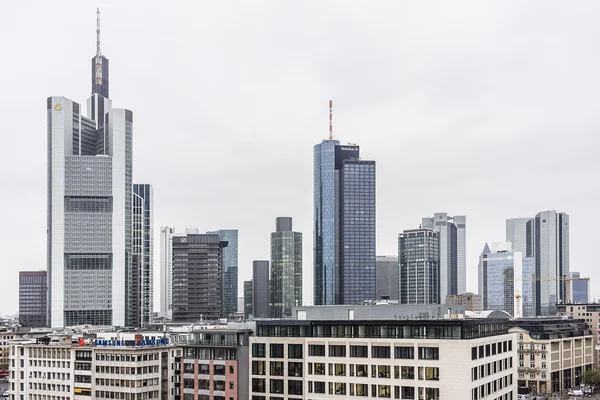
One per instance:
(516,233)
(230,270)
(286,269)
(143,246)
(386,273)
(166,271)
(453,267)
(419,266)
(89,207)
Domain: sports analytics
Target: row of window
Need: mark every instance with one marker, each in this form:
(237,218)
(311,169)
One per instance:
(490,349)
(204,369)
(488,369)
(204,384)
(492,387)
(378,391)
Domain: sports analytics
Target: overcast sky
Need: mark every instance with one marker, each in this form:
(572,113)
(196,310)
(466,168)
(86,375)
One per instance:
(488,109)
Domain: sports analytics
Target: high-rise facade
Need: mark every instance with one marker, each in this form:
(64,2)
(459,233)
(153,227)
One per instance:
(230,270)
(516,233)
(33,304)
(197,277)
(286,269)
(260,289)
(580,289)
(143,247)
(89,207)
(453,267)
(247,309)
(386,278)
(166,271)
(419,266)
(344,225)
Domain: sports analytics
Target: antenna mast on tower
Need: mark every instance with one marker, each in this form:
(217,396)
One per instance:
(98,52)
(330,120)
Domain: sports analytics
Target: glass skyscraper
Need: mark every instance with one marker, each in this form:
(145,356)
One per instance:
(344,225)
(419,266)
(143,246)
(89,208)
(286,269)
(230,270)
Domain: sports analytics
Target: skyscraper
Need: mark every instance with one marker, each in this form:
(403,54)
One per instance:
(344,230)
(247,309)
(580,289)
(260,289)
(516,233)
(230,270)
(453,267)
(33,305)
(143,245)
(197,277)
(286,269)
(386,274)
(419,262)
(166,271)
(89,207)
(505,280)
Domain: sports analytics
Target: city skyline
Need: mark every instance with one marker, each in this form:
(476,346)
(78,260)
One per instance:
(390,130)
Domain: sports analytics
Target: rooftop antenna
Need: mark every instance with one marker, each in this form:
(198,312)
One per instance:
(330,118)
(98,52)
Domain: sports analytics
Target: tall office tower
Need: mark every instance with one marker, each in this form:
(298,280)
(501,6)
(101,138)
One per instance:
(89,207)
(419,266)
(516,233)
(143,244)
(230,270)
(33,305)
(528,287)
(386,278)
(197,277)
(166,271)
(453,267)
(580,289)
(550,231)
(286,269)
(260,289)
(344,225)
(502,278)
(247,299)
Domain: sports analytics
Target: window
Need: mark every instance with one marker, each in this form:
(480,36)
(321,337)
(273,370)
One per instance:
(316,350)
(276,368)
(362,370)
(219,369)
(359,351)
(319,387)
(407,392)
(406,352)
(337,350)
(319,368)
(380,351)
(258,385)
(384,391)
(474,353)
(383,371)
(429,353)
(407,372)
(276,350)
(294,351)
(340,369)
(432,373)
(258,350)
(362,389)
(340,388)
(295,369)
(276,386)
(295,387)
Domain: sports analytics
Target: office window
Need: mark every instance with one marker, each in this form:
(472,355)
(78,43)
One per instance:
(258,350)
(359,351)
(294,351)
(316,350)
(380,351)
(276,350)
(337,350)
(429,353)
(404,352)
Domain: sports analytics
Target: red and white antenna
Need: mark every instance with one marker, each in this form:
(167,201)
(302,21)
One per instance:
(330,120)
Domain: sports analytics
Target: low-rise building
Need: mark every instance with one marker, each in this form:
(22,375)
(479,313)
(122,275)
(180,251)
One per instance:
(471,301)
(552,353)
(426,359)
(590,313)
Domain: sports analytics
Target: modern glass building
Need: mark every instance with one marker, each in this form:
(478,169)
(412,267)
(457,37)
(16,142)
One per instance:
(580,289)
(248,299)
(33,292)
(344,230)
(230,270)
(419,266)
(143,245)
(89,208)
(286,269)
(453,267)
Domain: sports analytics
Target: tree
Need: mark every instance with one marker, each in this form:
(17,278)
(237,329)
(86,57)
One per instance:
(591,377)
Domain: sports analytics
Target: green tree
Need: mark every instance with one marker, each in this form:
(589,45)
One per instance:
(591,377)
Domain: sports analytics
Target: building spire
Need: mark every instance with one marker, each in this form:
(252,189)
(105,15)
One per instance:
(330,119)
(98,52)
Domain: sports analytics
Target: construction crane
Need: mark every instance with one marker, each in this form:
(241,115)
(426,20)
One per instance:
(550,278)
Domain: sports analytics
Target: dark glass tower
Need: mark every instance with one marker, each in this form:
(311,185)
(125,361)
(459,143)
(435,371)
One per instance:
(344,230)
(419,262)
(286,269)
(143,247)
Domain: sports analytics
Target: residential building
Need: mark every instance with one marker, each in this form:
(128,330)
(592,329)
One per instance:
(143,245)
(33,301)
(471,301)
(260,289)
(89,207)
(248,299)
(590,313)
(166,271)
(580,289)
(230,270)
(552,352)
(344,221)
(501,280)
(214,365)
(286,269)
(62,369)
(453,267)
(197,277)
(333,359)
(419,262)
(386,278)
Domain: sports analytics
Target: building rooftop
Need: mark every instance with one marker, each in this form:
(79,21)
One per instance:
(552,327)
